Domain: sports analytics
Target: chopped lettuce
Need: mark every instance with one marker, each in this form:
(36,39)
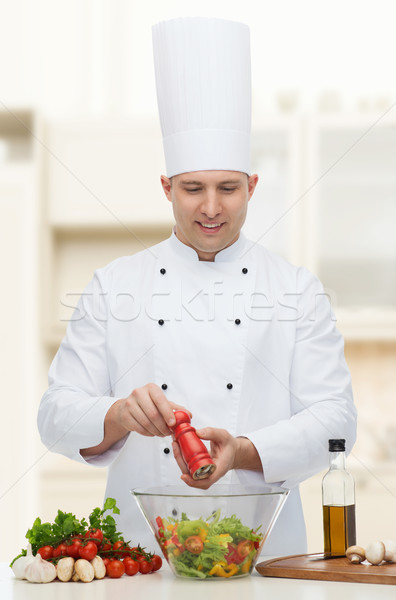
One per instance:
(220,539)
(233,526)
(186,571)
(186,528)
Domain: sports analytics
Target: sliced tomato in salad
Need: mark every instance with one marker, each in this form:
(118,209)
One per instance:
(194,544)
(244,548)
(160,525)
(232,555)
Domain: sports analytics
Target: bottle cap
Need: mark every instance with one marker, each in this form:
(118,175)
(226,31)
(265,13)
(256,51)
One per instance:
(337,445)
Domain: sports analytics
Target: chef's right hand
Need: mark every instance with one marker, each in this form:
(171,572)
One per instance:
(147,411)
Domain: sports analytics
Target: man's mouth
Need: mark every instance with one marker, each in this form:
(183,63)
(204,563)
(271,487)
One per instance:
(210,227)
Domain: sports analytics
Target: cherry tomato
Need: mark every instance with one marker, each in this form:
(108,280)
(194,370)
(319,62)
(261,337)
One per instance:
(106,561)
(131,566)
(73,549)
(194,544)
(244,547)
(106,545)
(156,562)
(145,566)
(96,535)
(46,552)
(118,547)
(232,555)
(60,550)
(115,569)
(89,551)
(128,551)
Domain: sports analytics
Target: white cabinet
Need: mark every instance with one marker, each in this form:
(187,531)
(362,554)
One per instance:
(20,351)
(104,173)
(352,211)
(271,219)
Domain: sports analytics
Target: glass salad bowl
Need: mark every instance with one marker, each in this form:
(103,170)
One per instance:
(215,533)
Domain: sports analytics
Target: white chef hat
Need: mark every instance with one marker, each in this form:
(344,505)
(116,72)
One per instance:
(202,70)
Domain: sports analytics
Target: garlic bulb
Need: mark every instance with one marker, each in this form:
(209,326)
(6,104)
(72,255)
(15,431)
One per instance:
(22,562)
(40,571)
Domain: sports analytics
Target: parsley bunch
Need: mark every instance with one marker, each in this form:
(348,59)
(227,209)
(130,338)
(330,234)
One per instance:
(66,526)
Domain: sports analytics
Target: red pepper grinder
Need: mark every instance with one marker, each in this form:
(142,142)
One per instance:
(193,449)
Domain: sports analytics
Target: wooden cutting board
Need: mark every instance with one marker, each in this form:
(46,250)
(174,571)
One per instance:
(315,566)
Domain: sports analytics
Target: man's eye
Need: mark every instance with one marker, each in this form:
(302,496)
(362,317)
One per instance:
(229,189)
(193,189)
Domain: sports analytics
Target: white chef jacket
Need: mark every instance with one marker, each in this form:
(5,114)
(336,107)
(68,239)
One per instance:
(247,343)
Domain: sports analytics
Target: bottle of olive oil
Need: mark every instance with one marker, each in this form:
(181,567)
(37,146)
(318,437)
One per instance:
(338,495)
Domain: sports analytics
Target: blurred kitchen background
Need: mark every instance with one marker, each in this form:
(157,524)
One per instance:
(80,160)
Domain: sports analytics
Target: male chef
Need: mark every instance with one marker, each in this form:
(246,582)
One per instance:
(205,320)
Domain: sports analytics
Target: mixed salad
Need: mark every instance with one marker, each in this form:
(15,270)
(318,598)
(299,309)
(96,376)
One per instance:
(208,548)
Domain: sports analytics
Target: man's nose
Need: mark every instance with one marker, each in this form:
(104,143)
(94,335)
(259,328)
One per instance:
(211,205)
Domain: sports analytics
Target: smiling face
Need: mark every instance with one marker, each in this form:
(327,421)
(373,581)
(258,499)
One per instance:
(209,208)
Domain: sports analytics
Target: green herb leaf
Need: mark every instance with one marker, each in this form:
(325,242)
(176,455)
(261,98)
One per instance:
(66,526)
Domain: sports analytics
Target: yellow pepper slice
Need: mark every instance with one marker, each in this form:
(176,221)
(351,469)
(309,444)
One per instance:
(246,566)
(221,569)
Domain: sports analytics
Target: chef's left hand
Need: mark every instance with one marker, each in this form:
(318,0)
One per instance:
(227,452)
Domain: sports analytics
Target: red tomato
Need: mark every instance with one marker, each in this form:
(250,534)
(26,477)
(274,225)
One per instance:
(145,566)
(139,558)
(127,552)
(89,551)
(46,552)
(96,535)
(106,545)
(194,544)
(106,562)
(156,562)
(160,525)
(115,569)
(244,547)
(121,549)
(118,546)
(73,549)
(60,550)
(131,566)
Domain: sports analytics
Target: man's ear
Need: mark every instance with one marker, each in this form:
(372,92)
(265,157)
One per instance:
(167,187)
(252,182)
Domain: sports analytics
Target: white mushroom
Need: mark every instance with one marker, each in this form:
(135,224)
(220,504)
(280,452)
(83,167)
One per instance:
(84,570)
(99,567)
(375,552)
(65,568)
(390,550)
(356,554)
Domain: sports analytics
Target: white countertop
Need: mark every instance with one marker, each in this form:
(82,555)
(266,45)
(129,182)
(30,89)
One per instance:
(162,585)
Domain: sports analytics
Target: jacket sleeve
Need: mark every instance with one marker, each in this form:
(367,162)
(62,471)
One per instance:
(72,410)
(319,385)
